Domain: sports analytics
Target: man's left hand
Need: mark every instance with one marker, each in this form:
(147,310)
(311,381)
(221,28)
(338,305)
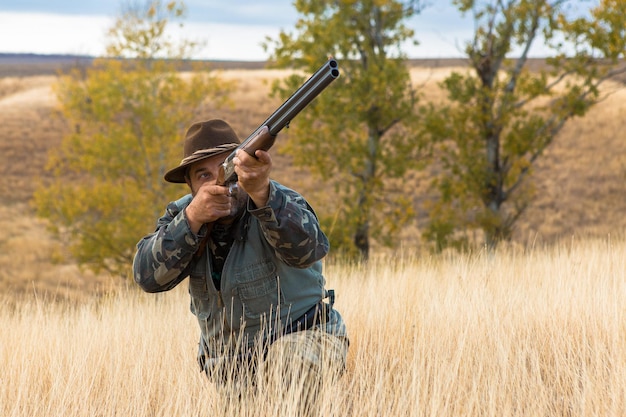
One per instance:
(254,175)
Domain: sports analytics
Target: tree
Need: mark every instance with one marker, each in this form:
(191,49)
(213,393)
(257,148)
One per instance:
(501,116)
(128,112)
(355,135)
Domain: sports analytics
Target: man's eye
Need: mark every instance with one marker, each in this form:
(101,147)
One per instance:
(204,176)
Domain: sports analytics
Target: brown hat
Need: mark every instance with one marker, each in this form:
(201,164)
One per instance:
(203,140)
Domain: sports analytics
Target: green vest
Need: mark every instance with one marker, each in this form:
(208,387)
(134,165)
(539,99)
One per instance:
(258,293)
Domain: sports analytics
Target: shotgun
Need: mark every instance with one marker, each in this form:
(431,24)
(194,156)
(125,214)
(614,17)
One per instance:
(264,136)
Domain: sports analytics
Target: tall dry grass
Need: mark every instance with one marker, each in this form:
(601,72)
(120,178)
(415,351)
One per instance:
(540,332)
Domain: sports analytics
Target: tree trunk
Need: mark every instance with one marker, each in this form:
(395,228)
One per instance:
(361,240)
(361,234)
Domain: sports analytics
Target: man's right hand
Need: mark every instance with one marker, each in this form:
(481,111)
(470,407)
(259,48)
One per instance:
(210,203)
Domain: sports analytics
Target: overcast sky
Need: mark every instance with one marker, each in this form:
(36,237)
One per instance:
(232,29)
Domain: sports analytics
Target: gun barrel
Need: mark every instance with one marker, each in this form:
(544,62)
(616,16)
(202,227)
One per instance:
(326,74)
(301,98)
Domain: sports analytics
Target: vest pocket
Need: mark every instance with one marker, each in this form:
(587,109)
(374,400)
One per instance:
(200,303)
(258,290)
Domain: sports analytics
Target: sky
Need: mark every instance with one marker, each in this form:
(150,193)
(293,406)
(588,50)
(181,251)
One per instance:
(231,30)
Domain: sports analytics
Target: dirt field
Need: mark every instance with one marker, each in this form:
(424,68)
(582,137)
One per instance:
(581,179)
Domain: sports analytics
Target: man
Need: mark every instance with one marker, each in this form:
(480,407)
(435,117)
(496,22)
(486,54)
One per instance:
(253,258)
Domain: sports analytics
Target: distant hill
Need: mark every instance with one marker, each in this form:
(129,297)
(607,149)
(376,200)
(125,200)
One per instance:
(25,65)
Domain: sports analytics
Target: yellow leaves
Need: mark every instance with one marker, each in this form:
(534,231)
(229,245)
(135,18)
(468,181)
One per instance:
(602,34)
(141,33)
(104,186)
(608,32)
(520,165)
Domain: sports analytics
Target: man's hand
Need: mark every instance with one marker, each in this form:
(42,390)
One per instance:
(254,175)
(211,202)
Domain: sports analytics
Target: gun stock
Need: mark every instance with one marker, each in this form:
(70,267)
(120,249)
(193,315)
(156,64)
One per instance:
(264,136)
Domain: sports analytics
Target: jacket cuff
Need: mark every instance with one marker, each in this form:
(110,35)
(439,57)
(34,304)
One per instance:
(267,213)
(181,233)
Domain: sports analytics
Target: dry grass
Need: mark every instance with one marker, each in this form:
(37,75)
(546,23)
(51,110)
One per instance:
(31,261)
(534,333)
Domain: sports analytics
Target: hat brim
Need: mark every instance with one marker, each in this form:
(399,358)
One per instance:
(177,175)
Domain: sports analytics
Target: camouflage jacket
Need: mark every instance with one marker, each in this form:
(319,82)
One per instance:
(272,273)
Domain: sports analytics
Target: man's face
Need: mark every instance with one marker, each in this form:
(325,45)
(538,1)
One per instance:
(206,171)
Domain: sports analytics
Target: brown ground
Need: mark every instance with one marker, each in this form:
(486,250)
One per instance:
(581,180)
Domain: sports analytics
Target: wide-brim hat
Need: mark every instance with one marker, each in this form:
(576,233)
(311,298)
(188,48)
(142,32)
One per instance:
(203,140)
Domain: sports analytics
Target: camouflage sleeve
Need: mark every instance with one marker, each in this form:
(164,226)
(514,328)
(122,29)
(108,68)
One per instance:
(163,256)
(290,225)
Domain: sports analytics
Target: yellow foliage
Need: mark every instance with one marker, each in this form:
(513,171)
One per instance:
(105,186)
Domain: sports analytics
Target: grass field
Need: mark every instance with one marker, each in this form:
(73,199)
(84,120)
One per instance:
(539,332)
